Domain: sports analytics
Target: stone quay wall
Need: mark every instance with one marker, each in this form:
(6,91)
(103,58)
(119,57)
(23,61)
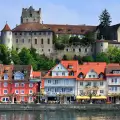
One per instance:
(80,107)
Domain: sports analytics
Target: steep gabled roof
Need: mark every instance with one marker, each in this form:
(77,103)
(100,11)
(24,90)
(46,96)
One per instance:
(6,28)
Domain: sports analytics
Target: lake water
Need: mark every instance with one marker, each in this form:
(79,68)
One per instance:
(58,115)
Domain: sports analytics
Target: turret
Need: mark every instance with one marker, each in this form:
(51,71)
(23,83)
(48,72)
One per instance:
(6,36)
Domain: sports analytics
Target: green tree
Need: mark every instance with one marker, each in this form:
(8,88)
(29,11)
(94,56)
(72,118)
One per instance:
(105,19)
(27,59)
(113,54)
(87,59)
(102,57)
(15,57)
(104,26)
(5,55)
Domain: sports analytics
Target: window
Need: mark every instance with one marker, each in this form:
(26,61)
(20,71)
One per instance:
(30,84)
(22,91)
(81,83)
(23,40)
(22,85)
(5,99)
(42,49)
(49,81)
(73,50)
(30,92)
(63,73)
(89,83)
(115,80)
(49,50)
(81,76)
(15,33)
(56,81)
(30,15)
(79,50)
(112,80)
(34,33)
(85,49)
(67,50)
(16,84)
(101,91)
(30,99)
(5,84)
(5,77)
(42,41)
(93,75)
(49,33)
(57,73)
(101,83)
(44,33)
(5,91)
(20,33)
(25,33)
(35,41)
(95,84)
(16,91)
(16,40)
(115,88)
(48,41)
(70,66)
(101,44)
(29,40)
(89,76)
(39,33)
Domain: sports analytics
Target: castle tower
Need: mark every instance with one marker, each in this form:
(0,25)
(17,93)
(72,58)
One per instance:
(6,36)
(30,15)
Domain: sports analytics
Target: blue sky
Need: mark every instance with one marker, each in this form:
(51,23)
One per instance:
(60,11)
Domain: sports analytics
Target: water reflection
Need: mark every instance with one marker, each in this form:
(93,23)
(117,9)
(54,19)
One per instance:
(63,115)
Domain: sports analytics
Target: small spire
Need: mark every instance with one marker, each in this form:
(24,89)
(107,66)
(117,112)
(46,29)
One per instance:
(6,22)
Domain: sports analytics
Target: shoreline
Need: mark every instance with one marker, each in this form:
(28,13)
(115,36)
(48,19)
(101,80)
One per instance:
(61,107)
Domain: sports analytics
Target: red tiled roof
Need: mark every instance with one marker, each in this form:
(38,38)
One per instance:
(62,29)
(112,75)
(6,28)
(36,74)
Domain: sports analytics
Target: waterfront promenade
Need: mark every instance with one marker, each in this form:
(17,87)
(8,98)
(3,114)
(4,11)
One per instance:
(46,107)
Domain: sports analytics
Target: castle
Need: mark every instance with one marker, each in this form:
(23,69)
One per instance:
(32,32)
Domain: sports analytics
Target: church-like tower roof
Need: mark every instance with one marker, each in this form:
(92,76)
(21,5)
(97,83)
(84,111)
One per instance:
(6,28)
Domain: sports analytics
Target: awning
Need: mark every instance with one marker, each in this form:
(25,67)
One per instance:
(82,97)
(99,97)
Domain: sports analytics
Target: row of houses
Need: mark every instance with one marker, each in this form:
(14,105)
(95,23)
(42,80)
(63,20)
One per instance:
(66,82)
(72,81)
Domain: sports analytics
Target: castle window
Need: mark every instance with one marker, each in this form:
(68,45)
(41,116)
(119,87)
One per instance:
(39,33)
(34,33)
(35,41)
(79,50)
(15,33)
(25,33)
(48,41)
(42,49)
(49,33)
(101,44)
(44,33)
(29,40)
(82,30)
(30,15)
(42,41)
(85,49)
(20,33)
(23,40)
(73,50)
(16,49)
(67,50)
(69,30)
(49,50)
(16,40)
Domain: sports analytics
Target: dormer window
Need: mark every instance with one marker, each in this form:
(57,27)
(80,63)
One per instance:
(63,73)
(70,66)
(19,76)
(5,76)
(71,73)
